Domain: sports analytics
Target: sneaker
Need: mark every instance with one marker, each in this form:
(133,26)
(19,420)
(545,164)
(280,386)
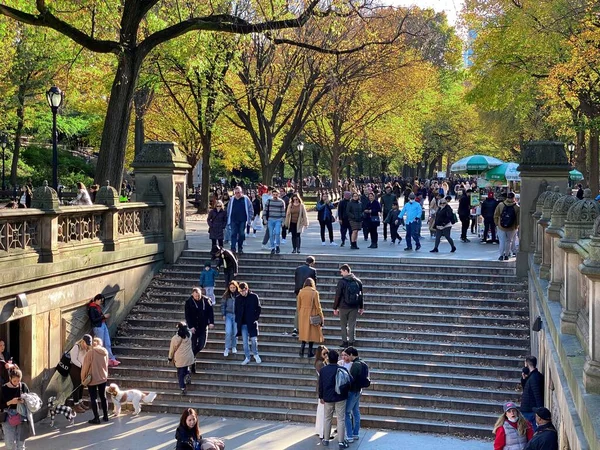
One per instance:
(226,352)
(325,443)
(349,440)
(501,258)
(356,436)
(257,359)
(234,350)
(265,247)
(342,244)
(343,445)
(418,247)
(283,241)
(333,244)
(277,250)
(453,250)
(408,249)
(295,333)
(245,361)
(323,243)
(183,391)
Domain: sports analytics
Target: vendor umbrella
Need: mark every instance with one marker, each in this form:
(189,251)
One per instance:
(575,175)
(504,172)
(475,164)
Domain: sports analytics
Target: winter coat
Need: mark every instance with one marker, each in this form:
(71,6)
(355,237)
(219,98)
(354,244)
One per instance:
(228,304)
(387,201)
(341,293)
(302,218)
(180,351)
(392,216)
(217,221)
(325,211)
(488,207)
(199,314)
(301,274)
(247,312)
(545,438)
(95,314)
(308,304)
(375,208)
(95,363)
(533,392)
(444,216)
(464,206)
(207,277)
(498,215)
(228,259)
(354,211)
(342,212)
(247,205)
(186,440)
(327,385)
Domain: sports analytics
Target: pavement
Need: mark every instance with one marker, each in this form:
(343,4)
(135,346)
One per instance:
(150,431)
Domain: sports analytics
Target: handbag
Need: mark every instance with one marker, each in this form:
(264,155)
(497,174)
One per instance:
(375,220)
(315,320)
(14,419)
(64,365)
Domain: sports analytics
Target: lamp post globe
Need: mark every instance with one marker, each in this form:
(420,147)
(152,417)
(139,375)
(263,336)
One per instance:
(300,148)
(370,156)
(571,149)
(54,96)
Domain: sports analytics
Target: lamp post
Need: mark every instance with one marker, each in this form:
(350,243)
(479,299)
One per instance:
(300,148)
(55,98)
(370,155)
(3,142)
(571,150)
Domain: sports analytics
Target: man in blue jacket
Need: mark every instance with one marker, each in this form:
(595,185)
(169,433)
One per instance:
(413,211)
(239,215)
(332,400)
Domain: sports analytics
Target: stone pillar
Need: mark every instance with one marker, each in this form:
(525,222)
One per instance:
(538,234)
(542,162)
(580,222)
(544,222)
(556,232)
(46,199)
(591,270)
(161,175)
(109,196)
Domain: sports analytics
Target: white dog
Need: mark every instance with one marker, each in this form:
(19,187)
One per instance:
(133,396)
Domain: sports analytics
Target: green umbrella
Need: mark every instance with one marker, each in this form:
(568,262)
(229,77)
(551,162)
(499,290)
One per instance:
(575,175)
(475,164)
(504,172)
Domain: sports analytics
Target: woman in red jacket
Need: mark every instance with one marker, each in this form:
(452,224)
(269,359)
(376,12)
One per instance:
(512,430)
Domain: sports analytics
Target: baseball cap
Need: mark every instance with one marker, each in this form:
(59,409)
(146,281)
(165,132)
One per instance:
(87,339)
(509,405)
(543,413)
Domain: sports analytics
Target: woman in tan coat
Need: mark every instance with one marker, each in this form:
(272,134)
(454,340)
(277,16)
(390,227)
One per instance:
(295,221)
(95,364)
(308,304)
(182,355)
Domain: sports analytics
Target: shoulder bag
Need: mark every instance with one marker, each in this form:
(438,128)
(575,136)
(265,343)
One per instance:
(315,320)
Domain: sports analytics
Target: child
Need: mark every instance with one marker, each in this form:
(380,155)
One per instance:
(394,221)
(207,281)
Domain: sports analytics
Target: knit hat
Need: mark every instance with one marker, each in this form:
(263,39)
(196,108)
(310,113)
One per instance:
(207,264)
(87,339)
(509,405)
(490,195)
(543,413)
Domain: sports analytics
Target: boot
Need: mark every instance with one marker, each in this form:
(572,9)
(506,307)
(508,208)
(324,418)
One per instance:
(302,347)
(311,353)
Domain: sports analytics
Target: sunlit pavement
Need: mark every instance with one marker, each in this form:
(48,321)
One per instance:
(155,432)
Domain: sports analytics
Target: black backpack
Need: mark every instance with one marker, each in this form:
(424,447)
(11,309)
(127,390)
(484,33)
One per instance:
(352,293)
(363,380)
(508,216)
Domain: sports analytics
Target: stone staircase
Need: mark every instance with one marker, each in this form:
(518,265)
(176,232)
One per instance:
(444,341)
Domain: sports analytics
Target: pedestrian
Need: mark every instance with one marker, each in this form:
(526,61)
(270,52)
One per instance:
(348,303)
(413,211)
(228,312)
(533,391)
(98,320)
(207,281)
(229,262)
(301,274)
(199,317)
(357,370)
(181,355)
(257,208)
(464,214)
(512,431)
(95,366)
(333,400)
(488,207)
(444,219)
(342,216)
(239,215)
(326,218)
(247,313)
(373,210)
(546,436)
(354,212)
(434,206)
(308,307)
(321,360)
(286,197)
(296,220)
(77,354)
(274,214)
(14,428)
(387,201)
(217,222)
(506,217)
(393,220)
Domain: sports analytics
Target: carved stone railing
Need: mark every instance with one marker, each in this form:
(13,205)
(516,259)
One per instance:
(20,231)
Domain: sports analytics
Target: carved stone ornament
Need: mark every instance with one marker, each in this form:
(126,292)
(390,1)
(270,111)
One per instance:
(539,204)
(596,231)
(152,192)
(544,154)
(160,154)
(45,198)
(549,202)
(585,210)
(107,195)
(560,209)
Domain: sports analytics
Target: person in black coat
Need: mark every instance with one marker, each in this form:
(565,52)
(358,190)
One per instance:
(488,207)
(533,391)
(443,225)
(199,316)
(343,219)
(217,221)
(464,214)
(247,313)
(546,436)
(227,259)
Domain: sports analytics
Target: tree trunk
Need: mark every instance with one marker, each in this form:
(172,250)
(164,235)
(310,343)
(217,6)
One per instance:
(205,187)
(111,159)
(18,132)
(268,171)
(594,180)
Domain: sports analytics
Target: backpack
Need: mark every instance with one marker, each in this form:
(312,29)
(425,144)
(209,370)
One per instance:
(508,216)
(343,380)
(352,293)
(363,380)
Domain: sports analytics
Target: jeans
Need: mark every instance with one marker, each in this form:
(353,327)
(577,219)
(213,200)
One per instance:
(348,323)
(230,330)
(443,232)
(275,232)
(102,333)
(531,419)
(210,293)
(199,339)
(96,391)
(253,343)
(353,414)
(413,231)
(340,412)
(506,239)
(238,235)
(181,373)
(329,229)
(12,435)
(344,228)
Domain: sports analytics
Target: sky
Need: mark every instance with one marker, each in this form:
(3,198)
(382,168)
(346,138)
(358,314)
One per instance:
(451,7)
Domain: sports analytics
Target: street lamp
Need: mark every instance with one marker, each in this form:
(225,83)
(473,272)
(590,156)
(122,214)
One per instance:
(300,148)
(370,155)
(3,142)
(55,98)
(571,149)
